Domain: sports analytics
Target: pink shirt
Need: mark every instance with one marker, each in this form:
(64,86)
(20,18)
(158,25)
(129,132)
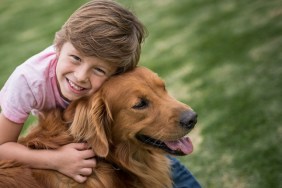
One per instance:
(32,87)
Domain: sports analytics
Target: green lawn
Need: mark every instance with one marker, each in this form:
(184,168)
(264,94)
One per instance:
(222,57)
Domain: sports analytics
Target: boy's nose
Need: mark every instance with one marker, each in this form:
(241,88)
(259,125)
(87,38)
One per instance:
(81,76)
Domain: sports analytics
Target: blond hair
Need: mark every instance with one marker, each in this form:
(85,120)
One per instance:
(106,30)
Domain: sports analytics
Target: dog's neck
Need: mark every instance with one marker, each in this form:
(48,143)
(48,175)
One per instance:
(147,166)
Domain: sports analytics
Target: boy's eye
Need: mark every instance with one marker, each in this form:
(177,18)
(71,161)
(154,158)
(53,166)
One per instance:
(75,58)
(99,71)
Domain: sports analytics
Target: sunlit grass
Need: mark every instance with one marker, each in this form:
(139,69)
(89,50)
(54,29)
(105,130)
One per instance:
(221,57)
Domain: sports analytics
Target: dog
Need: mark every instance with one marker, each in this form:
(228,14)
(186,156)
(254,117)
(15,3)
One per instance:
(131,123)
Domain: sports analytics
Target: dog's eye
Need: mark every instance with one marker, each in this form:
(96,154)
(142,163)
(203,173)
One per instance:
(143,103)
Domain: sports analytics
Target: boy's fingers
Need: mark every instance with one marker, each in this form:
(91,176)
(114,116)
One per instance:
(87,154)
(86,171)
(79,146)
(90,163)
(80,178)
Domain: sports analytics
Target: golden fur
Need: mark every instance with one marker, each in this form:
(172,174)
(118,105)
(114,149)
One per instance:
(126,105)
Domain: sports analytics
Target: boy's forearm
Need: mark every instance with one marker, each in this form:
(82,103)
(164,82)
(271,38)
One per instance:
(39,159)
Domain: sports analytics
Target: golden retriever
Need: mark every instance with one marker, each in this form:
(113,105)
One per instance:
(131,123)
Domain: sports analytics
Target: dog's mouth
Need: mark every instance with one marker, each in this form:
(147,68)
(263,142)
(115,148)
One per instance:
(182,146)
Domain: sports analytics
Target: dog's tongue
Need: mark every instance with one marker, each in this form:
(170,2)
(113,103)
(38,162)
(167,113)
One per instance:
(184,144)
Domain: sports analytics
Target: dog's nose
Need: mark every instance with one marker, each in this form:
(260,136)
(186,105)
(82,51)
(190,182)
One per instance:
(188,119)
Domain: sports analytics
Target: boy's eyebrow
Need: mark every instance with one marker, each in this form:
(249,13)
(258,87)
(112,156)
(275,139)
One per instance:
(76,52)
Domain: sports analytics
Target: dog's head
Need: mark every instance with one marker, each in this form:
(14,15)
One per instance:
(136,110)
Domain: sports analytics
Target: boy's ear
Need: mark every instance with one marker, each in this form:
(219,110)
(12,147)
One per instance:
(89,124)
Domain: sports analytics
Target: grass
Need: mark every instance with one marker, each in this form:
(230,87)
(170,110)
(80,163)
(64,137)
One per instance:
(221,57)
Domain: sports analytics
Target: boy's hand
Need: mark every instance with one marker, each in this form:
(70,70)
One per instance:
(75,160)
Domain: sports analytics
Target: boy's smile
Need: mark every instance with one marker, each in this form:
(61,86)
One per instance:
(79,75)
(75,87)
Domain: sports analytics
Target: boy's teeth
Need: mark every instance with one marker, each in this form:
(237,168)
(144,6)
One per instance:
(75,86)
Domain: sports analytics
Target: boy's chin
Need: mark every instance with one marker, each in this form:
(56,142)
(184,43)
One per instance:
(67,96)
(67,99)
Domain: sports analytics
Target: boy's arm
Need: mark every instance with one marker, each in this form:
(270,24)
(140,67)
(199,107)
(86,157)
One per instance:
(9,131)
(70,160)
(11,150)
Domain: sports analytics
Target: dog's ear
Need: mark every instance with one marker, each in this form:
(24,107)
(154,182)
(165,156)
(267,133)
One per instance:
(91,119)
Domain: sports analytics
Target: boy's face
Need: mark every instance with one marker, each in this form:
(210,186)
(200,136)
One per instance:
(79,75)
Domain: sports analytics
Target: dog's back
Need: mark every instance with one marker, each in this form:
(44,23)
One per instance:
(14,175)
